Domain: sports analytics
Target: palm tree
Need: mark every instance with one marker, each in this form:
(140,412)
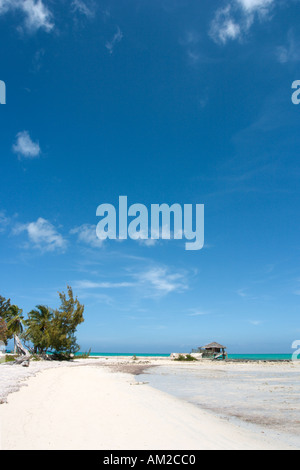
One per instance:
(14,319)
(38,324)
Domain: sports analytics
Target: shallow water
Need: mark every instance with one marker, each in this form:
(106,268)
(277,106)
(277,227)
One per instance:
(263,398)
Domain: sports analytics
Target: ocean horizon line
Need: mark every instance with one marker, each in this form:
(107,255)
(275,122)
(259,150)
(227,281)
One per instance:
(235,356)
(246,356)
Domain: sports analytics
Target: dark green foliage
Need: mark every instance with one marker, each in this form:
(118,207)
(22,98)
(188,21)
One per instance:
(14,321)
(64,323)
(39,328)
(3,331)
(47,330)
(54,330)
(4,306)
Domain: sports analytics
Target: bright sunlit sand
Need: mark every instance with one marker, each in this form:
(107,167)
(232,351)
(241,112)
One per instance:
(94,404)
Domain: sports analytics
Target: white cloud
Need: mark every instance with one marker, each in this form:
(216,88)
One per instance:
(234,20)
(42,235)
(251,5)
(81,7)
(110,45)
(223,26)
(25,147)
(86,234)
(150,283)
(145,239)
(162,281)
(102,285)
(36,14)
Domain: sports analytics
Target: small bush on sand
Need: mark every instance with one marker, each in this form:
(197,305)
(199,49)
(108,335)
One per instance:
(185,358)
(84,355)
(10,358)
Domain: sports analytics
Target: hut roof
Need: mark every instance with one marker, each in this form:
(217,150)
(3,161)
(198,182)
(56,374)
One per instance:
(214,346)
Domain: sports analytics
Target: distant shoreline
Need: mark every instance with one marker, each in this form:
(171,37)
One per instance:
(231,357)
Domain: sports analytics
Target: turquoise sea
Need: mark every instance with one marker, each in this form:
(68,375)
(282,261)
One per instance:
(261,357)
(249,357)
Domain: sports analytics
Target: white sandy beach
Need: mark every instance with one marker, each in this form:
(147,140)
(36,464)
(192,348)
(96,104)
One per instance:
(89,407)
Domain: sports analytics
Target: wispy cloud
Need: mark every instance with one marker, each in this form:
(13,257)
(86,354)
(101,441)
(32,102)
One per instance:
(197,313)
(190,38)
(242,293)
(224,27)
(163,234)
(255,322)
(250,297)
(154,282)
(25,147)
(84,8)
(35,14)
(4,221)
(147,242)
(110,45)
(86,234)
(42,235)
(234,19)
(38,60)
(160,281)
(290,52)
(262,6)
(191,43)
(102,285)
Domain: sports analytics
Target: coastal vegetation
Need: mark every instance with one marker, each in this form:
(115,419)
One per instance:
(46,331)
(84,355)
(4,306)
(185,358)
(8,358)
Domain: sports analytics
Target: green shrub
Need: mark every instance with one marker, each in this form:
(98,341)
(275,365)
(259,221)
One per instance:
(10,358)
(185,358)
(83,355)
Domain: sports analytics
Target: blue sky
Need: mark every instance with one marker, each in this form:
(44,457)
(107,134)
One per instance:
(170,101)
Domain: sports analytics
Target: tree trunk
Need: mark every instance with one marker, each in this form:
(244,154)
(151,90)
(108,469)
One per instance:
(24,355)
(22,360)
(20,349)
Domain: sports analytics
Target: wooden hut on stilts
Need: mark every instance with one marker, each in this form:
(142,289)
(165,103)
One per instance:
(213,351)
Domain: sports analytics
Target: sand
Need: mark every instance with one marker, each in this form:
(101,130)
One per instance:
(84,406)
(257,396)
